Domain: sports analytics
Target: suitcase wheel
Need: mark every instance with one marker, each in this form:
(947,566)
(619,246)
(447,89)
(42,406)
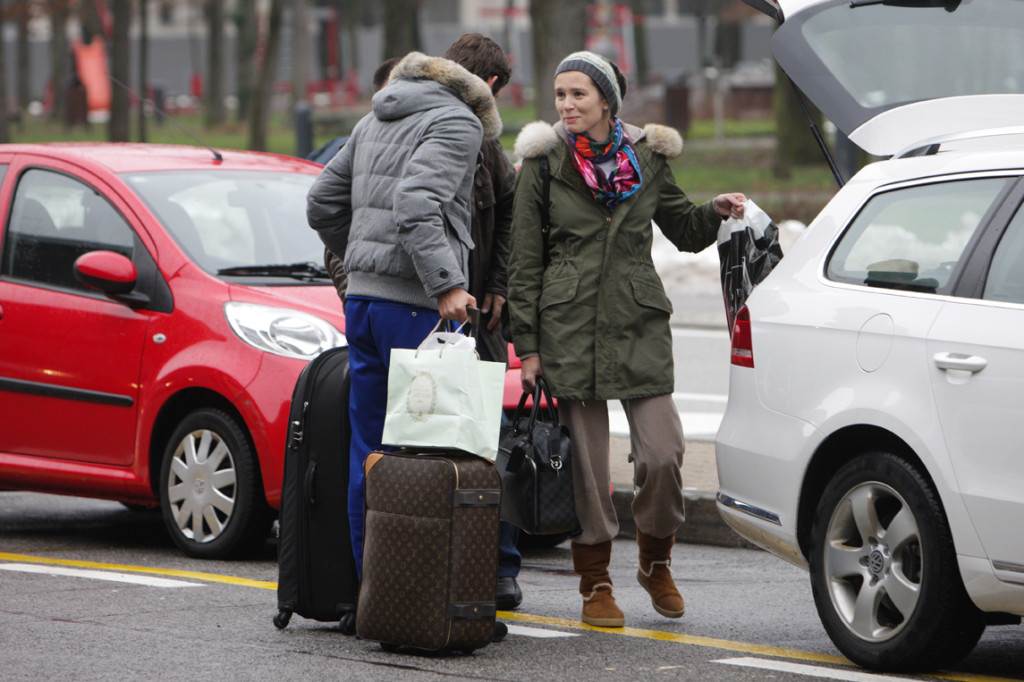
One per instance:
(347,624)
(282,619)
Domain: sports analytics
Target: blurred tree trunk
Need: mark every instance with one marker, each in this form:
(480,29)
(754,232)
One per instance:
(60,56)
(350,20)
(728,44)
(700,11)
(558,29)
(795,144)
(260,104)
(214,63)
(401,27)
(119,127)
(300,51)
(89,20)
(245,52)
(143,87)
(24,66)
(4,134)
(639,8)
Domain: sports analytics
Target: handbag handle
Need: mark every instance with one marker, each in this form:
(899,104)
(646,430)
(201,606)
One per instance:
(540,389)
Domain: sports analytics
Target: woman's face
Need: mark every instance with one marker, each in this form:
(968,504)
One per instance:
(580,105)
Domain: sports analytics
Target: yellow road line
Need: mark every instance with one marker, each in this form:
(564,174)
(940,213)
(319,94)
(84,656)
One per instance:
(568,623)
(195,575)
(680,638)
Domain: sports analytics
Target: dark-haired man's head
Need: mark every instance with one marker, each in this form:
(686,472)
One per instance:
(380,76)
(482,57)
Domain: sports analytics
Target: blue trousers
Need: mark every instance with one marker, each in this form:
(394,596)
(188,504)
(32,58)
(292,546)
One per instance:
(373,327)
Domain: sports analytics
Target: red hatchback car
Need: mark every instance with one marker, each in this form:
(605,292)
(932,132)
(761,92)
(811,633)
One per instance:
(157,304)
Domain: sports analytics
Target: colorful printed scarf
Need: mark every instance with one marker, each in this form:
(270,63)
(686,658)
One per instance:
(625,179)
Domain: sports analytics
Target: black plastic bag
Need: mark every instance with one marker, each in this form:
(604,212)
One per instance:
(748,249)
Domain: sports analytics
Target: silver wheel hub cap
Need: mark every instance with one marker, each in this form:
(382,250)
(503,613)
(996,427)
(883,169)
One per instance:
(873,561)
(878,562)
(201,487)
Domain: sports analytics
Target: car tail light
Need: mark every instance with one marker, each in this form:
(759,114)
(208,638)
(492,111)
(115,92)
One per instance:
(513,360)
(742,342)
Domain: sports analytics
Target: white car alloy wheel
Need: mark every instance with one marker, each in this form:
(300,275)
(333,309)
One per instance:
(883,568)
(202,485)
(211,493)
(873,561)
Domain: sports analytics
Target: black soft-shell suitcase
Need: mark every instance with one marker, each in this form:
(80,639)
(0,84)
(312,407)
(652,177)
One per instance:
(430,555)
(317,573)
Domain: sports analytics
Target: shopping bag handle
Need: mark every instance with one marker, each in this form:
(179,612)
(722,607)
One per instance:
(447,329)
(472,319)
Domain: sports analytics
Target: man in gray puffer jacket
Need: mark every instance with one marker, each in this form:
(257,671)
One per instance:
(396,202)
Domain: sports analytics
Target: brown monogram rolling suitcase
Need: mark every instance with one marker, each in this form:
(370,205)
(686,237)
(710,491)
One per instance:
(430,553)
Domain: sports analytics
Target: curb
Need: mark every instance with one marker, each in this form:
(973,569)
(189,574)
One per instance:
(703,524)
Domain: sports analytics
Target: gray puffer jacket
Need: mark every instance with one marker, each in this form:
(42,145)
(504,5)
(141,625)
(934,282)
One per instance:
(396,200)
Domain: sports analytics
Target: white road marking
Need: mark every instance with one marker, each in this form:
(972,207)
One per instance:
(98,575)
(700,332)
(539,633)
(809,670)
(701,397)
(696,425)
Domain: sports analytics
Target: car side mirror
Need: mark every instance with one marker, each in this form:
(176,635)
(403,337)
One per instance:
(108,271)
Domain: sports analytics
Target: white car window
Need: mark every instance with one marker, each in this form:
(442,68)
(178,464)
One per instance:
(225,218)
(913,238)
(1006,274)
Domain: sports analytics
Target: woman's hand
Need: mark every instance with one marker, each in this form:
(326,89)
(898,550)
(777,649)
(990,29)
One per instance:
(530,371)
(730,205)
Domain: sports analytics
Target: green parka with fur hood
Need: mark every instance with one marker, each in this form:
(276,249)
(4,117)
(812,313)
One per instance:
(598,314)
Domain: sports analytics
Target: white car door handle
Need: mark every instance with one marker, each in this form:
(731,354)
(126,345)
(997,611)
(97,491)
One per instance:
(968,363)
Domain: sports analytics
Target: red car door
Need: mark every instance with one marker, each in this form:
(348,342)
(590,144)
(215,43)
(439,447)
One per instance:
(69,356)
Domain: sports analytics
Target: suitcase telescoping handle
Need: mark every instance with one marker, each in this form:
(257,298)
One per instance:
(309,483)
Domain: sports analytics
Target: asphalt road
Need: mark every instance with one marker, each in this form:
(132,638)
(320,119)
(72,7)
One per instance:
(63,615)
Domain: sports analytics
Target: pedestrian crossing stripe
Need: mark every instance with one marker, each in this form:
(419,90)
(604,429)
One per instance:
(148,581)
(128,568)
(539,633)
(809,670)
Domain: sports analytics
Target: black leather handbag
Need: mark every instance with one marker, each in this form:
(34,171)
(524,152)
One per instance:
(535,464)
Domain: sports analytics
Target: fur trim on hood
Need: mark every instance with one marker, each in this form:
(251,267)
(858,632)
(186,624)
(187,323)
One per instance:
(664,140)
(535,140)
(470,88)
(540,138)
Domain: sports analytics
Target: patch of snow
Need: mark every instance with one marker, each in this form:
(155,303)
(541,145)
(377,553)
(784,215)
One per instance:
(698,273)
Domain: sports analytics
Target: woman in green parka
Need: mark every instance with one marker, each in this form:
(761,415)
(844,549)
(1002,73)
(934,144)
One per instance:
(589,312)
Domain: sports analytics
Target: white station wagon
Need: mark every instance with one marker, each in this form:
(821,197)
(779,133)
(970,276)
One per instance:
(875,426)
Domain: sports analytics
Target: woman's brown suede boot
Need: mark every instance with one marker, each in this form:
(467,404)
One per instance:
(599,607)
(655,577)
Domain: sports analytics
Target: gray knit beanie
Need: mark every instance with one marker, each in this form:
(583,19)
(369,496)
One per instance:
(600,71)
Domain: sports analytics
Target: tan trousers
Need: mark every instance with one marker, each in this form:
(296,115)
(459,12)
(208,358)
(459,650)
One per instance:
(656,438)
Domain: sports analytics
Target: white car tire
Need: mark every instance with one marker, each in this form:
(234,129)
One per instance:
(884,572)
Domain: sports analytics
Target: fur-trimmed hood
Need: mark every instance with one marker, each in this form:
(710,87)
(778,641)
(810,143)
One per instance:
(539,138)
(396,101)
